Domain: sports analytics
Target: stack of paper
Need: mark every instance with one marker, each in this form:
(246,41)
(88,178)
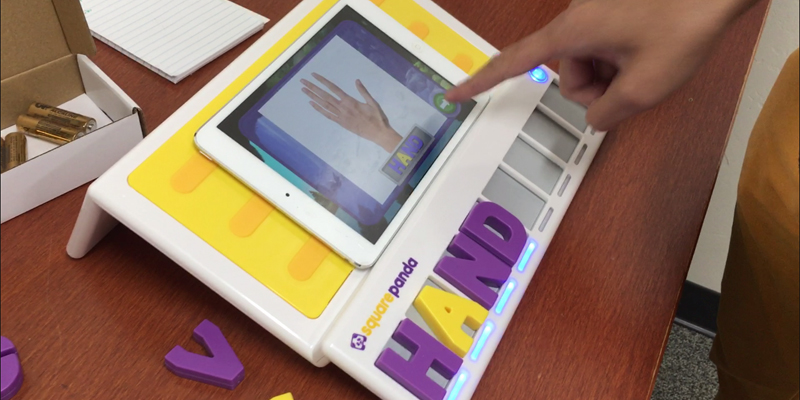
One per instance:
(174,38)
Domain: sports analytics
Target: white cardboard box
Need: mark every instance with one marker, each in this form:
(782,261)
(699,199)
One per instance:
(49,65)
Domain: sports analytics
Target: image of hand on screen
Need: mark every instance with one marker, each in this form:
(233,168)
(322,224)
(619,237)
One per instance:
(365,119)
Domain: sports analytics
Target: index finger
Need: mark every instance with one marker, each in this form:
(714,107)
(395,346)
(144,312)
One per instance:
(335,89)
(518,58)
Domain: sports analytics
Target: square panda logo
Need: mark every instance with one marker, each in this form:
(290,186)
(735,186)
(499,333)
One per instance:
(358,342)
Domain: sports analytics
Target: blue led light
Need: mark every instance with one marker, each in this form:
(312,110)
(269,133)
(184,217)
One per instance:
(488,328)
(460,381)
(539,75)
(523,262)
(501,305)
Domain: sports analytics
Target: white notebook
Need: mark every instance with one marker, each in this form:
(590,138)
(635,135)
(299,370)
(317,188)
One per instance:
(174,38)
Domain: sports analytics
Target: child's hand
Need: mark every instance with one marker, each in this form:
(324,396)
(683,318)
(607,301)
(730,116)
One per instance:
(618,57)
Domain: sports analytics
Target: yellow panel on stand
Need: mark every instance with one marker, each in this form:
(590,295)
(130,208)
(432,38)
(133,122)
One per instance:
(230,217)
(239,224)
(435,33)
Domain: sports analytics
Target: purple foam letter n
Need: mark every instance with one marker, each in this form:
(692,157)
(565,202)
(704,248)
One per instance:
(427,353)
(508,247)
(472,269)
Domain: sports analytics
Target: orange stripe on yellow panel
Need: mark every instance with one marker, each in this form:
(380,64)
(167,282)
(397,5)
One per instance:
(250,216)
(308,259)
(419,29)
(192,174)
(464,62)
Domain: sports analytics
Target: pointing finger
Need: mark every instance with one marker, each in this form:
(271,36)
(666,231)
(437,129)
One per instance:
(520,57)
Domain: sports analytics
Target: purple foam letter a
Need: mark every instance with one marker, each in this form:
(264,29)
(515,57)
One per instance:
(510,245)
(426,353)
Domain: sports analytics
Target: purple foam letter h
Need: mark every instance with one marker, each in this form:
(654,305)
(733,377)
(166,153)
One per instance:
(427,353)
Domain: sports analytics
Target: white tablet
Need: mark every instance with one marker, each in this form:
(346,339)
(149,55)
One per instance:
(346,129)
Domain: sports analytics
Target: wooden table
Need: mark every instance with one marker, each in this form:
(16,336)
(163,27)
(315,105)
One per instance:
(593,324)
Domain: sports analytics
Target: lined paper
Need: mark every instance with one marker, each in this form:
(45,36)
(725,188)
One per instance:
(173,38)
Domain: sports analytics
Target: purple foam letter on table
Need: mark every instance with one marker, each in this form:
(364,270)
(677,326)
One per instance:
(472,270)
(514,236)
(222,369)
(10,369)
(426,353)
(6,347)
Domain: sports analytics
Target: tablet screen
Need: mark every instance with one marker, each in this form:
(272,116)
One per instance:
(352,119)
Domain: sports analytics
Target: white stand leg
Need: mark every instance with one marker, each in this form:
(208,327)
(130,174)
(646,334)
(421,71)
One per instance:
(93,224)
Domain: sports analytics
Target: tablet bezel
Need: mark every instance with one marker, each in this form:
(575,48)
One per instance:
(306,212)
